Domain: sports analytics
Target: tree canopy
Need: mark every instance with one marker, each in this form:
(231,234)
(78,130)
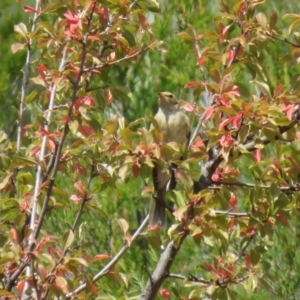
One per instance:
(78,143)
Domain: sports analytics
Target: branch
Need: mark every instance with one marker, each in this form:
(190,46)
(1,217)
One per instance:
(162,269)
(217,282)
(26,77)
(73,227)
(39,174)
(250,146)
(37,228)
(110,63)
(190,278)
(293,188)
(118,256)
(282,40)
(232,214)
(243,250)
(133,3)
(196,131)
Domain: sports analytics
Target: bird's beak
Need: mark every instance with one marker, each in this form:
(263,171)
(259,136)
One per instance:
(161,96)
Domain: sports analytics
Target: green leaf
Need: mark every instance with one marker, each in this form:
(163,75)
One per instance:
(128,136)
(73,126)
(25,178)
(185,37)
(120,92)
(68,239)
(21,161)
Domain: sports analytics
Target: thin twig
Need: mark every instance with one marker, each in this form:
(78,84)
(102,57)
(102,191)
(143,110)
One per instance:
(202,117)
(218,282)
(243,250)
(232,214)
(190,278)
(282,40)
(116,258)
(251,185)
(110,63)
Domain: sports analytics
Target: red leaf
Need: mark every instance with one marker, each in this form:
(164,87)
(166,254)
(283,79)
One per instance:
(108,96)
(223,100)
(24,206)
(201,61)
(143,20)
(136,170)
(226,140)
(209,267)
(88,101)
(77,103)
(243,6)
(189,107)
(93,38)
(250,231)
(225,30)
(237,121)
(208,113)
(86,130)
(44,131)
(29,9)
(233,201)
(198,144)
(78,169)
(103,14)
(42,71)
(66,119)
(192,84)
(278,90)
(165,294)
(76,198)
(56,79)
(111,56)
(153,228)
(14,235)
(282,218)
(231,56)
(71,18)
(257,155)
(248,261)
(233,89)
(80,187)
(100,257)
(51,144)
(224,123)
(231,224)
(289,109)
(34,150)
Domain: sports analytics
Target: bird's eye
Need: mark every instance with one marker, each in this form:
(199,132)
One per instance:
(171,96)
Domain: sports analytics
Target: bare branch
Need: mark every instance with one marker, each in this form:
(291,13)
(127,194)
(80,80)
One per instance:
(232,214)
(251,185)
(284,40)
(190,278)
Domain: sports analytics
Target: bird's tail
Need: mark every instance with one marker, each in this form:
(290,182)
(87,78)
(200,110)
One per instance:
(157,211)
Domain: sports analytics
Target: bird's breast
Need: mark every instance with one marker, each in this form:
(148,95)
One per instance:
(174,126)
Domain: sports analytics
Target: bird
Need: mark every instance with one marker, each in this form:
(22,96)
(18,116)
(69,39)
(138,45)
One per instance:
(174,125)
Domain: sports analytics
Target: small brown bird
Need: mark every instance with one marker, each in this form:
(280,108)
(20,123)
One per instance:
(175,127)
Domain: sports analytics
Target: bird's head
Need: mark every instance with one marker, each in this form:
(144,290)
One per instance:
(167,101)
